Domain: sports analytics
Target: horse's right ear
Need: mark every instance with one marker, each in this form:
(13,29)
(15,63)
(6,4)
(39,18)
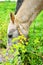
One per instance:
(12,17)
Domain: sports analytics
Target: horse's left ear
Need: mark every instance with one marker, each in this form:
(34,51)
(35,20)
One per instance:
(12,17)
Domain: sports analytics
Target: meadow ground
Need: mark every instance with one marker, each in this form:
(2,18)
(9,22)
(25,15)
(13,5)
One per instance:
(5,9)
(35,46)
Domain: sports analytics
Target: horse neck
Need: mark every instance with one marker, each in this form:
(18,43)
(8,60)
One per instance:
(28,10)
(27,13)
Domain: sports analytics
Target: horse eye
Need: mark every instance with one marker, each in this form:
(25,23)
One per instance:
(10,35)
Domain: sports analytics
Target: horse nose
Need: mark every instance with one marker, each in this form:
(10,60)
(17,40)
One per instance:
(9,35)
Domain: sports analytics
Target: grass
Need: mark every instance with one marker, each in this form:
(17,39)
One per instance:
(5,9)
(35,44)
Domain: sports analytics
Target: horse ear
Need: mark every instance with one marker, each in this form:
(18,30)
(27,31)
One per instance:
(12,17)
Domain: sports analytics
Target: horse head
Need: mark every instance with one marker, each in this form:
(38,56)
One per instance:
(15,29)
(12,29)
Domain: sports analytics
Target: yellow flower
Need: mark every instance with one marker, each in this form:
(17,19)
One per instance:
(26,43)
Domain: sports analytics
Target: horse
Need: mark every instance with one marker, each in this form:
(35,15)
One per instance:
(20,23)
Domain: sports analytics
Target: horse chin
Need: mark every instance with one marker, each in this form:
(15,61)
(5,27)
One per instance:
(9,42)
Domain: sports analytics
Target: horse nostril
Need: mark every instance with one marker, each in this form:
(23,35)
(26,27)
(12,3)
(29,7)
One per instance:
(10,36)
